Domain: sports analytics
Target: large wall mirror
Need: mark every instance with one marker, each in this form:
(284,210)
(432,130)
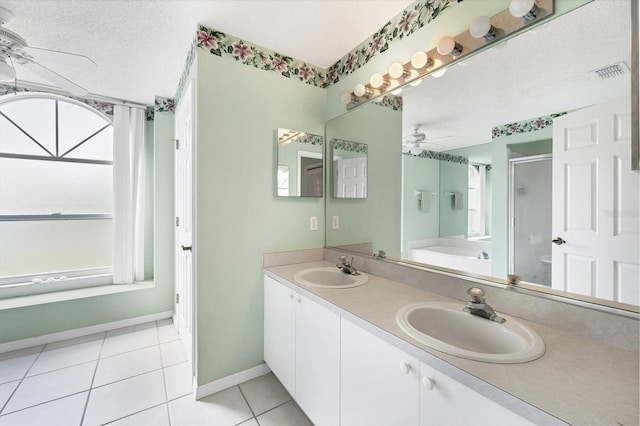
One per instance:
(496,167)
(300,165)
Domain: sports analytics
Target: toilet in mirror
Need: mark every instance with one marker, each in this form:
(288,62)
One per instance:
(516,161)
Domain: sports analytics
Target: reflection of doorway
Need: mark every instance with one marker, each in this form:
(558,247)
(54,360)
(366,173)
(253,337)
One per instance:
(309,174)
(530,185)
(350,180)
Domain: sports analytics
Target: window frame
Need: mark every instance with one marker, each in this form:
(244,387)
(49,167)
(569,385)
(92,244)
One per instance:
(29,284)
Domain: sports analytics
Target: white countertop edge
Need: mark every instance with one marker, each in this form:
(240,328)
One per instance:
(505,399)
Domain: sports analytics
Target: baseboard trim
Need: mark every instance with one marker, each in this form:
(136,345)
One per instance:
(82,331)
(229,381)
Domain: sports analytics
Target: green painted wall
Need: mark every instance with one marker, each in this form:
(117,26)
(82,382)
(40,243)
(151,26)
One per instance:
(238,216)
(453,178)
(37,320)
(374,219)
(419,174)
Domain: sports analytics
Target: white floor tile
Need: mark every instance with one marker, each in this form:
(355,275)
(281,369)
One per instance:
(177,378)
(53,385)
(123,398)
(126,365)
(250,422)
(172,353)
(64,412)
(66,356)
(167,331)
(129,339)
(6,389)
(15,368)
(223,408)
(264,393)
(288,414)
(156,416)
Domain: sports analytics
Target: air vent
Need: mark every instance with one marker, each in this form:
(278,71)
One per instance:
(612,71)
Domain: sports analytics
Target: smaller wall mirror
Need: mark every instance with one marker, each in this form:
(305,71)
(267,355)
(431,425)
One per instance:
(299,170)
(349,171)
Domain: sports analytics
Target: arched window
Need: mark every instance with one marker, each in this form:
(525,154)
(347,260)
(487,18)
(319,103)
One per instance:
(56,191)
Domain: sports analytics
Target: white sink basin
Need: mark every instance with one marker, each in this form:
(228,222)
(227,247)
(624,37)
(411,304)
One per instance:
(447,328)
(330,277)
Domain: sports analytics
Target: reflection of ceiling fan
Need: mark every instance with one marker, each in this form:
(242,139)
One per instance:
(14,50)
(418,142)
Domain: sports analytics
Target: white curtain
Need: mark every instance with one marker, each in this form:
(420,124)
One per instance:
(128,194)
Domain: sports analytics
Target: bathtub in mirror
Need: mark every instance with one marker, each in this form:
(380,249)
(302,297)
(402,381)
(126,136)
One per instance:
(300,171)
(509,112)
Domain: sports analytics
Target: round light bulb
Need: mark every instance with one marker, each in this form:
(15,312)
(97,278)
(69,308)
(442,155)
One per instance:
(481,27)
(345,98)
(396,70)
(522,9)
(448,46)
(376,81)
(439,73)
(415,83)
(359,90)
(419,60)
(397,91)
(7,73)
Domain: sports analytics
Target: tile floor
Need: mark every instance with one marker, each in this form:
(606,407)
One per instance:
(132,376)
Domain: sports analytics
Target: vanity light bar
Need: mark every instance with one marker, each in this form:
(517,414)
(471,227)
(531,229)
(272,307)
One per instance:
(501,25)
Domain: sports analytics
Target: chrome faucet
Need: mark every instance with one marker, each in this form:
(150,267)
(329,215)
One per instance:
(477,306)
(346,266)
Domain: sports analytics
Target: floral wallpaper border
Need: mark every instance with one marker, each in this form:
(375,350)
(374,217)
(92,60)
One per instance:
(435,155)
(402,25)
(311,139)
(162,104)
(525,126)
(104,107)
(350,146)
(390,101)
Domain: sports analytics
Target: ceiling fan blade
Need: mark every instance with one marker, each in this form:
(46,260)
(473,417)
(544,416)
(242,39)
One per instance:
(440,137)
(56,79)
(63,58)
(425,145)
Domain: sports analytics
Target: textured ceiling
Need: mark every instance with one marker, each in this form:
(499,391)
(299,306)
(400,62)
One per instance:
(140,46)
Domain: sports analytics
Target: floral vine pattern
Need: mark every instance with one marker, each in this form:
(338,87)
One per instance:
(390,101)
(434,155)
(402,25)
(164,105)
(311,139)
(350,146)
(103,107)
(525,126)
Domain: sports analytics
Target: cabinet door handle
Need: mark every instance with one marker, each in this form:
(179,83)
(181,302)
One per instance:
(427,382)
(405,367)
(299,299)
(291,296)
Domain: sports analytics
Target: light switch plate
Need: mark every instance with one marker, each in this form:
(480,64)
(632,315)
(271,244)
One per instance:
(313,223)
(335,222)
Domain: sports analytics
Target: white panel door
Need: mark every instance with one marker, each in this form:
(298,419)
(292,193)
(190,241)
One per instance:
(279,332)
(595,204)
(350,179)
(317,362)
(184,212)
(445,401)
(379,383)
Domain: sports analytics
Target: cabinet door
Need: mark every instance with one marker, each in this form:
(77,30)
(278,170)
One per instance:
(317,362)
(279,332)
(445,401)
(379,383)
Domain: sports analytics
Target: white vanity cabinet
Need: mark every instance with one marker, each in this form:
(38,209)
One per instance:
(302,348)
(379,383)
(445,401)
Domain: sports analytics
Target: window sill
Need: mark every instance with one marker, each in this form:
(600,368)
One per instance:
(80,293)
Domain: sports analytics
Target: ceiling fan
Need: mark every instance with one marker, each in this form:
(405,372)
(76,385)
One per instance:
(417,142)
(14,50)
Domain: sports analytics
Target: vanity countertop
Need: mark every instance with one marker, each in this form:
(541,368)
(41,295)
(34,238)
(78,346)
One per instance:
(577,380)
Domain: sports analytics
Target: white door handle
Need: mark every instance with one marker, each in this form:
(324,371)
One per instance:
(405,367)
(427,382)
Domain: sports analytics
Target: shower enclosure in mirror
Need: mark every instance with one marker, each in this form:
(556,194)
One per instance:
(349,171)
(299,171)
(504,104)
